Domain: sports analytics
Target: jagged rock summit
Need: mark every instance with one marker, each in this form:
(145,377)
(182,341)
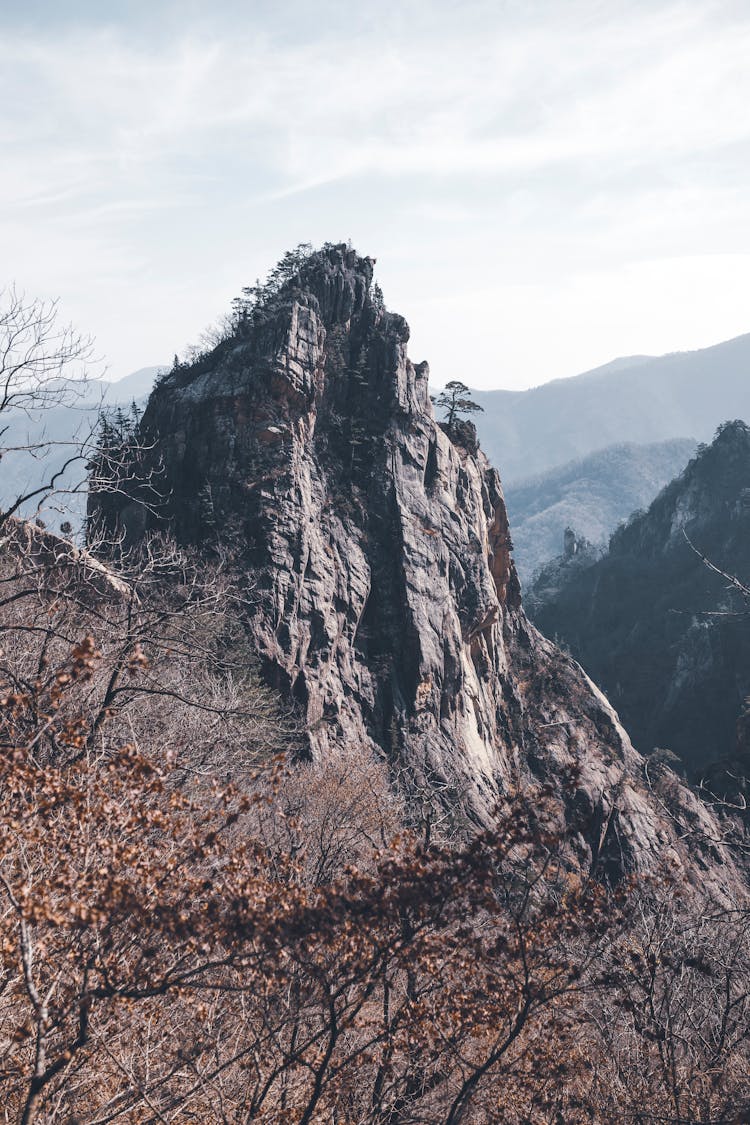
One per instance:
(385,597)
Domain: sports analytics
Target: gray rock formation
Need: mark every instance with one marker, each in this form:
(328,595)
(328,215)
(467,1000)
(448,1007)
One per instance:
(385,597)
(577,554)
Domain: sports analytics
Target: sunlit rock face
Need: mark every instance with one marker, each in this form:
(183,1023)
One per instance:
(384,596)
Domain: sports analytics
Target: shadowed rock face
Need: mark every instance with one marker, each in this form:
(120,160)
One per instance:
(386,602)
(664,635)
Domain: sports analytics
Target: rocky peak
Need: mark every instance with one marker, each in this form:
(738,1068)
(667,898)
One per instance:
(706,496)
(574,544)
(578,554)
(386,601)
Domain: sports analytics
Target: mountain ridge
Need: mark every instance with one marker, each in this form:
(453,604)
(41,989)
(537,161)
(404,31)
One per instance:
(661,398)
(376,542)
(590,495)
(654,626)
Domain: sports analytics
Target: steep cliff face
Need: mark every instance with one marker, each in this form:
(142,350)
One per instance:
(385,599)
(666,637)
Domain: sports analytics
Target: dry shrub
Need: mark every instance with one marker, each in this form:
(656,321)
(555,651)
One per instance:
(193,928)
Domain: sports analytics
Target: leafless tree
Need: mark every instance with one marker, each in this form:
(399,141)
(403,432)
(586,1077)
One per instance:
(176,620)
(671,1030)
(44,364)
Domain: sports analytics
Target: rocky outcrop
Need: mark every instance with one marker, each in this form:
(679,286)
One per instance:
(384,595)
(578,554)
(665,635)
(55,562)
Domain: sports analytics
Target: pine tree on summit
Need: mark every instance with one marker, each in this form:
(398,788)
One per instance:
(454,400)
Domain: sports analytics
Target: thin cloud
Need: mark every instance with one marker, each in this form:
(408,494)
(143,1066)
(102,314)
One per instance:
(526,141)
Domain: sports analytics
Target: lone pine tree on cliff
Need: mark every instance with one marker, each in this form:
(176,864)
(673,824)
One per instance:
(455,400)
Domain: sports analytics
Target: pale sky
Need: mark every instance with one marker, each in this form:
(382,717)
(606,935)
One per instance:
(546,184)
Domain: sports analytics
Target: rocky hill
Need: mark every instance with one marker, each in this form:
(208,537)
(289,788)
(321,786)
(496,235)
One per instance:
(639,399)
(665,636)
(384,596)
(591,495)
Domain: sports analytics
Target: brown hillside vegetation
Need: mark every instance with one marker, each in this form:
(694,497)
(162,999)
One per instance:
(195,928)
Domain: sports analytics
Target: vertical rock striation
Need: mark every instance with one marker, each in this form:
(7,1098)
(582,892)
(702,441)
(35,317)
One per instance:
(386,600)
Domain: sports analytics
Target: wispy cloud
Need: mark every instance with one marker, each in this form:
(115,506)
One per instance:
(526,139)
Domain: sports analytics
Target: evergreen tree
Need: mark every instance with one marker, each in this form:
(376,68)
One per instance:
(455,400)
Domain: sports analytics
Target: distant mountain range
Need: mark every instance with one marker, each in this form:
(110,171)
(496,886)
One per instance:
(665,636)
(591,495)
(57,432)
(132,387)
(639,399)
(583,452)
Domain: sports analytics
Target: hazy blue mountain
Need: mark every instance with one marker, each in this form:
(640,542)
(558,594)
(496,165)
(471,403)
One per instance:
(55,435)
(592,495)
(635,399)
(136,386)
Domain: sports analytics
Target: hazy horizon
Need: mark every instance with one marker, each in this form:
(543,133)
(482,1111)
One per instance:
(546,187)
(636,356)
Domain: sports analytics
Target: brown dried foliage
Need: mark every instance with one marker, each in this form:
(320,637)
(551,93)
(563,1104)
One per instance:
(274,945)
